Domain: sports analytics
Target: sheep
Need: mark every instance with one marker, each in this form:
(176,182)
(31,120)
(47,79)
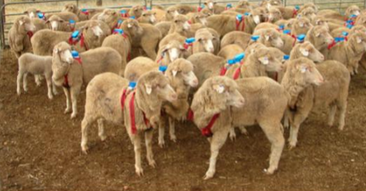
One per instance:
(230,51)
(58,24)
(32,13)
(325,23)
(185,9)
(148,17)
(301,26)
(206,41)
(308,13)
(92,34)
(170,52)
(136,11)
(287,12)
(349,52)
(307,5)
(243,6)
(83,14)
(20,34)
(66,16)
(274,15)
(170,37)
(214,7)
(164,27)
(181,25)
(351,10)
(103,103)
(197,17)
(285,24)
(319,36)
(269,37)
(332,94)
(121,43)
(308,50)
(39,24)
(171,12)
(236,37)
(108,16)
(73,73)
(143,36)
(36,65)
(224,24)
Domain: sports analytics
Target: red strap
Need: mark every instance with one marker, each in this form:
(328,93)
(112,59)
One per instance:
(331,44)
(207,130)
(190,115)
(81,39)
(132,114)
(125,15)
(294,13)
(123,98)
(85,12)
(66,82)
(30,34)
(237,23)
(223,71)
(295,39)
(160,59)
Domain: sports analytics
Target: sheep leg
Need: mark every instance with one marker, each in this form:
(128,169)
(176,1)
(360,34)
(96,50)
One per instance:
(19,82)
(74,95)
(286,119)
(136,141)
(85,124)
(275,136)
(232,134)
(25,84)
(149,152)
(332,112)
(342,107)
(101,132)
(37,79)
(49,86)
(161,132)
(150,50)
(243,130)
(217,141)
(68,102)
(172,130)
(298,119)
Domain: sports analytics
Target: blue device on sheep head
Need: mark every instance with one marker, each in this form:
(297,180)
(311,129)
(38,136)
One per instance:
(71,21)
(344,33)
(40,15)
(286,57)
(287,31)
(84,10)
(239,57)
(132,85)
(297,7)
(148,8)
(231,61)
(75,34)
(254,38)
(352,16)
(239,17)
(118,31)
(190,40)
(246,14)
(132,17)
(229,5)
(123,11)
(163,68)
(339,39)
(281,27)
(301,37)
(120,22)
(75,54)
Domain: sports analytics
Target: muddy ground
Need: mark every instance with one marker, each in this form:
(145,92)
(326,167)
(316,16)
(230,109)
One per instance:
(40,150)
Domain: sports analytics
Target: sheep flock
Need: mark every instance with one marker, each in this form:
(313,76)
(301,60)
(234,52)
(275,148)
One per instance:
(220,67)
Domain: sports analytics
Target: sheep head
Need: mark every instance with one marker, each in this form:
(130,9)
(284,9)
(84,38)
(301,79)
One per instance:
(171,12)
(302,72)
(309,13)
(31,13)
(271,37)
(206,39)
(61,60)
(264,59)
(210,4)
(24,24)
(200,17)
(180,72)
(55,22)
(181,23)
(243,4)
(357,39)
(302,25)
(319,21)
(259,14)
(307,50)
(72,8)
(214,96)
(320,37)
(274,15)
(352,10)
(156,86)
(173,50)
(132,27)
(148,17)
(136,11)
(92,28)
(206,12)
(108,16)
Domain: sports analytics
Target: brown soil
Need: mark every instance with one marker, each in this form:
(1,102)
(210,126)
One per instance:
(40,150)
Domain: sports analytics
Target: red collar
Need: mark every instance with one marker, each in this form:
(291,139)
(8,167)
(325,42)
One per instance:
(238,71)
(294,13)
(206,131)
(30,34)
(66,76)
(223,71)
(237,23)
(81,39)
(132,111)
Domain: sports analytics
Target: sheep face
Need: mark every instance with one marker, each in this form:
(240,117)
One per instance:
(108,16)
(201,18)
(182,69)
(92,28)
(353,10)
(358,39)
(224,92)
(171,12)
(173,50)
(207,42)
(243,4)
(206,12)
(272,37)
(275,2)
(308,13)
(70,8)
(303,72)
(321,22)
(181,23)
(308,50)
(274,15)
(259,15)
(156,84)
(267,60)
(149,17)
(55,22)
(302,25)
(63,51)
(322,36)
(31,12)
(24,24)
(137,10)
(210,4)
(132,27)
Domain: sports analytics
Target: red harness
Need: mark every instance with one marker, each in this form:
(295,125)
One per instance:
(237,24)
(294,13)
(237,71)
(30,34)
(132,111)
(331,45)
(81,39)
(66,78)
(206,131)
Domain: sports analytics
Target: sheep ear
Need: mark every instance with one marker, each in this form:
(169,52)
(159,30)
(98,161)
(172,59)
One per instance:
(55,50)
(21,22)
(267,37)
(301,24)
(304,52)
(148,89)
(174,72)
(219,88)
(264,60)
(302,68)
(358,39)
(129,25)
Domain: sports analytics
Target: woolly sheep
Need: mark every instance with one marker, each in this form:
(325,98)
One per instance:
(103,103)
(230,51)
(207,40)
(83,15)
(36,65)
(236,37)
(71,74)
(224,24)
(214,7)
(20,34)
(181,25)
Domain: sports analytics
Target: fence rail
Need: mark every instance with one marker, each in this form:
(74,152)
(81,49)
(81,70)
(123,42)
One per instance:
(5,25)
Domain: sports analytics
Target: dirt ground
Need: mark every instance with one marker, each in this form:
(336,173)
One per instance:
(40,150)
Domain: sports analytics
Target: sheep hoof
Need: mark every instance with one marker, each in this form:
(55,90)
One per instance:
(50,97)
(67,110)
(173,138)
(139,172)
(73,115)
(103,137)
(232,136)
(161,144)
(208,176)
(19,93)
(243,131)
(291,146)
(85,149)
(152,163)
(268,172)
(341,128)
